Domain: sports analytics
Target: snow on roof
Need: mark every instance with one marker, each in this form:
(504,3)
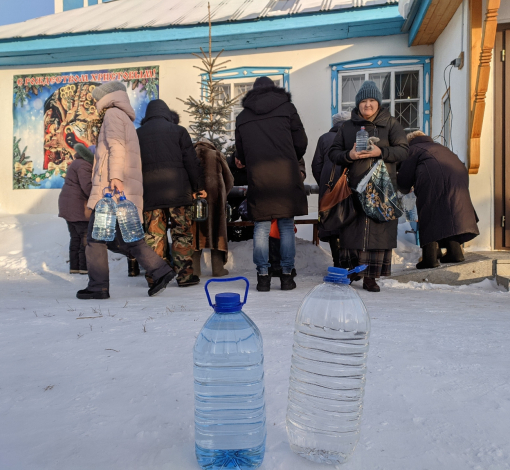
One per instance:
(136,14)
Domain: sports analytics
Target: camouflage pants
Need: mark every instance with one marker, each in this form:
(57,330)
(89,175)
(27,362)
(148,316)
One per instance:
(179,219)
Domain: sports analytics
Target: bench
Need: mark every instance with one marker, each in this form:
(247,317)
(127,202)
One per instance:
(315,222)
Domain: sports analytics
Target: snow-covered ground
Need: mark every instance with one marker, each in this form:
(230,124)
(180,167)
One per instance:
(107,385)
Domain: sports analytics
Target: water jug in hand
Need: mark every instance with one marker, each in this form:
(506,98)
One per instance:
(327,377)
(361,140)
(129,220)
(105,218)
(230,417)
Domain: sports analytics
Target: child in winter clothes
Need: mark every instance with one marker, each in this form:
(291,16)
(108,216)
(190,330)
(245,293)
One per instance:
(72,206)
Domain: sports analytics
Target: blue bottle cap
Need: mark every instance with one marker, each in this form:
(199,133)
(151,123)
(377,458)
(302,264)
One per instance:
(108,195)
(337,275)
(227,302)
(122,198)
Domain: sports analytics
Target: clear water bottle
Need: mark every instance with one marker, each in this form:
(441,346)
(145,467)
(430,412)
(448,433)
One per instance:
(230,416)
(200,209)
(129,220)
(327,377)
(105,218)
(361,139)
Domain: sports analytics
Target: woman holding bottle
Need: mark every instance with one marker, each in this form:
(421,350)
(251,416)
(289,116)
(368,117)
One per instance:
(374,241)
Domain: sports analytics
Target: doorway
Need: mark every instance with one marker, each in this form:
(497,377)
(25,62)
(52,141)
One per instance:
(502,139)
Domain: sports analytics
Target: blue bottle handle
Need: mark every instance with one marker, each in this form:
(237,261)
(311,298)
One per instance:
(358,269)
(229,279)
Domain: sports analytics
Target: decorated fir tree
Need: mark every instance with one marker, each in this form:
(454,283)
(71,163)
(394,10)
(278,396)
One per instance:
(211,113)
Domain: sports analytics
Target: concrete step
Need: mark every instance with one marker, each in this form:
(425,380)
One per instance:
(476,267)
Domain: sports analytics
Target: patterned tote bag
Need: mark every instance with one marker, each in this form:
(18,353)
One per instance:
(377,195)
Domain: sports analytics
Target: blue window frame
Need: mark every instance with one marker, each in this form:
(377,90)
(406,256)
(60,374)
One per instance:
(238,81)
(404,82)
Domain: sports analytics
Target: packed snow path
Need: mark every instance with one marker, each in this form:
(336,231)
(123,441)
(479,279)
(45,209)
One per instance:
(108,385)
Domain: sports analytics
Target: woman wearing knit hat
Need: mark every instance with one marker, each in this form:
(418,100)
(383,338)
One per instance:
(118,165)
(373,241)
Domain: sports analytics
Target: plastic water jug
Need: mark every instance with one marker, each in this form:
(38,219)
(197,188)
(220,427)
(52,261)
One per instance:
(129,220)
(361,140)
(230,417)
(327,378)
(105,218)
(200,209)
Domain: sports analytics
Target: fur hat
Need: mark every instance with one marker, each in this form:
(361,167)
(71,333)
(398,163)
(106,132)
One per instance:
(263,82)
(86,153)
(368,90)
(414,134)
(107,88)
(342,116)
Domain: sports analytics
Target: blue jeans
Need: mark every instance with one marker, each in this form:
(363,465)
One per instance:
(287,245)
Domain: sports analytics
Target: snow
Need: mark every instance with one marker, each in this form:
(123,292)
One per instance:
(108,385)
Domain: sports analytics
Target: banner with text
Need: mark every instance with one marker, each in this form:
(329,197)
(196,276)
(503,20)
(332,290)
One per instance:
(53,112)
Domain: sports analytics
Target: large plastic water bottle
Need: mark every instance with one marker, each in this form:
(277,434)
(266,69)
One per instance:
(230,416)
(327,377)
(361,140)
(105,218)
(129,221)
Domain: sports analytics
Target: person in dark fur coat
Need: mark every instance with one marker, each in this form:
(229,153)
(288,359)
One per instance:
(446,214)
(172,175)
(270,139)
(373,241)
(212,233)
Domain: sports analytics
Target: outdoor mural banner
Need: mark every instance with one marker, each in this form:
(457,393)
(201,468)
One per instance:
(54,111)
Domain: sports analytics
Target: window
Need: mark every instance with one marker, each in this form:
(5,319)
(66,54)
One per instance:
(447,120)
(239,81)
(400,89)
(404,82)
(72,4)
(239,89)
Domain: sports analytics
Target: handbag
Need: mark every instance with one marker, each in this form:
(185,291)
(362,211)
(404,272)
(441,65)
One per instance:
(336,207)
(377,195)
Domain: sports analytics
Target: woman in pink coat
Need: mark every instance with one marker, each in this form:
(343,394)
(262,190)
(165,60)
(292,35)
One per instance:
(117,165)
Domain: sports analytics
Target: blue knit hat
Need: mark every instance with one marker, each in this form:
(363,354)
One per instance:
(368,90)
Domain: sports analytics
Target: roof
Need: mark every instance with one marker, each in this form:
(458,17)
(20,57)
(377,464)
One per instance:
(142,14)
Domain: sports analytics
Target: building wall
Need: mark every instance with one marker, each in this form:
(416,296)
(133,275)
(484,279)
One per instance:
(310,85)
(448,46)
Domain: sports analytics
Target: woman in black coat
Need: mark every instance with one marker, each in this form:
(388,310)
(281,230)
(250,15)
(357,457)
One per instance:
(270,139)
(374,241)
(172,174)
(446,214)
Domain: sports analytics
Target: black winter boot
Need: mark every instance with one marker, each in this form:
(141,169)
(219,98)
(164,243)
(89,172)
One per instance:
(263,282)
(160,284)
(287,282)
(133,267)
(334,244)
(218,263)
(429,256)
(370,284)
(86,294)
(454,253)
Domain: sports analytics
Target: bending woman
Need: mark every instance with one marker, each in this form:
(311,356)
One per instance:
(373,241)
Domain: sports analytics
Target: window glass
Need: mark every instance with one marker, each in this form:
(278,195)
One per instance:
(350,86)
(383,82)
(407,113)
(407,85)
(72,4)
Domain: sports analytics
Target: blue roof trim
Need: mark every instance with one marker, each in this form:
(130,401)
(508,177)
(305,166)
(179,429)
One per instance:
(270,32)
(418,20)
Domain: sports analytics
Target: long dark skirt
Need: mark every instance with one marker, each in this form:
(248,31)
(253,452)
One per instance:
(378,261)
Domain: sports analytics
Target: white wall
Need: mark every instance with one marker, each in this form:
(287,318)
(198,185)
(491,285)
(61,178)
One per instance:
(59,6)
(309,83)
(448,46)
